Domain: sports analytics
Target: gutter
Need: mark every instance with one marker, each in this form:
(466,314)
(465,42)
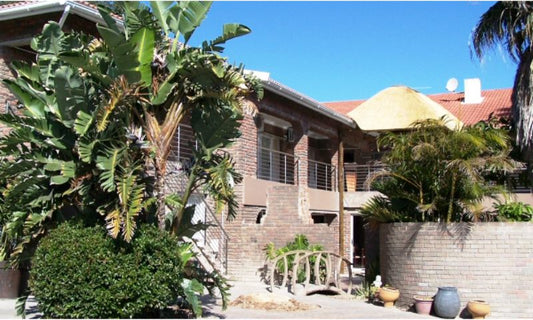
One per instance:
(310,103)
(31,10)
(37,8)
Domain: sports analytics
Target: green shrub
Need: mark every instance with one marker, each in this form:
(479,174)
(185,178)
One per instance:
(514,211)
(300,242)
(80,272)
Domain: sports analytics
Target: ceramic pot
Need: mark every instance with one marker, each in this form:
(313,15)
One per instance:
(388,295)
(423,304)
(447,303)
(479,309)
(9,281)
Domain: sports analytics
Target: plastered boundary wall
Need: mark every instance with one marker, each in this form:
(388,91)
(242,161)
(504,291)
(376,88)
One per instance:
(492,261)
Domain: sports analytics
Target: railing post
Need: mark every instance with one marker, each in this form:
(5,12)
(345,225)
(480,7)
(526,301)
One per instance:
(179,143)
(298,171)
(225,256)
(285,168)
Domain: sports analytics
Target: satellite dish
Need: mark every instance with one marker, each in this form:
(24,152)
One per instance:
(452,84)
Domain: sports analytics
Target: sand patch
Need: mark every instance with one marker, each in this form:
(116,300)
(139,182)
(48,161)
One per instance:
(270,302)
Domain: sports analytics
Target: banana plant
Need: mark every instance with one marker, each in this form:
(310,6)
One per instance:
(100,114)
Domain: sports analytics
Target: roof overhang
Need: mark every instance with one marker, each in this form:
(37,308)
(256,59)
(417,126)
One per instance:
(293,95)
(42,7)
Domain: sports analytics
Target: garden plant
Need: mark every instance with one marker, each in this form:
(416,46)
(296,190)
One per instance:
(300,242)
(438,175)
(99,117)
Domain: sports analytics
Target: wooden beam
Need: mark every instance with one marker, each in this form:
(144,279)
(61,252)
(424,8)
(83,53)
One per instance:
(340,184)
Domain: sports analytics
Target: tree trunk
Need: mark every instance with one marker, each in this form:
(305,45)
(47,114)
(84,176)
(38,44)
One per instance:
(160,196)
(522,105)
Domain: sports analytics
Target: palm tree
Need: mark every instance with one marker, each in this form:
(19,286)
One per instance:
(437,174)
(511,25)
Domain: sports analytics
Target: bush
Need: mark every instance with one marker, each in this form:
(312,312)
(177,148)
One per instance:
(300,242)
(514,211)
(80,272)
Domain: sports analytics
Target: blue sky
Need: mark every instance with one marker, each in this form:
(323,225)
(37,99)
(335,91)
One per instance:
(333,51)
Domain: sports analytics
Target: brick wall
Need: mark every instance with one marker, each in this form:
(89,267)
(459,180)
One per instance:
(491,261)
(286,216)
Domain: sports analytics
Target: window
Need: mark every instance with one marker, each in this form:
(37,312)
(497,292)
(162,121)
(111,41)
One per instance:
(323,217)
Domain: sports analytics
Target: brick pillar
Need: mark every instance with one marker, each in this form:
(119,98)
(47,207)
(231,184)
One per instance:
(301,154)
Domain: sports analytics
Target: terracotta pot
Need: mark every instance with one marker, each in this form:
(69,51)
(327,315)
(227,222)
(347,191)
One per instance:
(9,281)
(479,309)
(423,304)
(388,295)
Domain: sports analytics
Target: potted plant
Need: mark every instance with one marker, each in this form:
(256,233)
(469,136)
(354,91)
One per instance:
(388,295)
(423,304)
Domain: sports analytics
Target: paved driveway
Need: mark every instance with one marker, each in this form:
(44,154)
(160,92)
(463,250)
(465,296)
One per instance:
(330,307)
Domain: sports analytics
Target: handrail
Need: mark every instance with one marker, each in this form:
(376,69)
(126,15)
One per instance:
(213,216)
(356,175)
(324,175)
(276,166)
(332,271)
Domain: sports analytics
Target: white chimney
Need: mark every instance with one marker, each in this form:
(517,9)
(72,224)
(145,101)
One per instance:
(473,91)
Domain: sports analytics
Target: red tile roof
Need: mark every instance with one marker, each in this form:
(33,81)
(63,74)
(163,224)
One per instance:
(496,102)
(4,5)
(343,106)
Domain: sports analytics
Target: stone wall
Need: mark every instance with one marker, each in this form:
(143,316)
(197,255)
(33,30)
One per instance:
(490,261)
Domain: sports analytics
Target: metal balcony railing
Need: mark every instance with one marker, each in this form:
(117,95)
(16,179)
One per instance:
(516,181)
(276,166)
(356,175)
(321,175)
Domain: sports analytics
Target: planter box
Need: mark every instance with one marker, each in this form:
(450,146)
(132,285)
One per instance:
(492,261)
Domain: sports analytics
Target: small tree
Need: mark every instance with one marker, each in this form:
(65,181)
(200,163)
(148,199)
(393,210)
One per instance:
(438,174)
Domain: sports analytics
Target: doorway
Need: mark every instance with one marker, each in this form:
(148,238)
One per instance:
(358,242)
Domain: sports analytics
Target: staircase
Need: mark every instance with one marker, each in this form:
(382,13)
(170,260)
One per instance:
(210,245)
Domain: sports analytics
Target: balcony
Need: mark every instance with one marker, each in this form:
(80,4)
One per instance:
(284,168)
(276,166)
(321,175)
(356,175)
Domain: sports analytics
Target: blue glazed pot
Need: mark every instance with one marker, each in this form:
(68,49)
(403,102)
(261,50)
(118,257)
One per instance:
(447,303)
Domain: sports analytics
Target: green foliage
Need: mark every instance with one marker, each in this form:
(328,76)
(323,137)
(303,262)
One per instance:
(437,174)
(513,211)
(79,272)
(509,25)
(100,111)
(366,291)
(100,116)
(300,242)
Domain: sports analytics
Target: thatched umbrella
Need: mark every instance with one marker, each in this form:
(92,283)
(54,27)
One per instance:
(397,108)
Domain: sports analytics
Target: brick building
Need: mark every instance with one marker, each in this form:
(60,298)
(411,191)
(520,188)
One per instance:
(292,152)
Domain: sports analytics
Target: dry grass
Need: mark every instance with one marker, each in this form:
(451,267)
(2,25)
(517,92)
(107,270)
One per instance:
(270,302)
